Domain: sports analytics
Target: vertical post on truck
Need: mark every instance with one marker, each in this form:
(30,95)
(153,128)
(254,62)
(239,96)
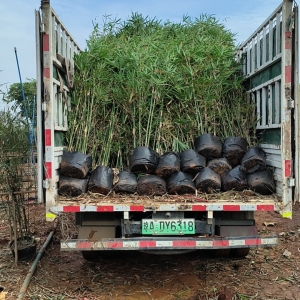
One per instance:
(58,48)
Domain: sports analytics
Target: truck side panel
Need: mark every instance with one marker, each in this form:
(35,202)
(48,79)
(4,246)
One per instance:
(267,57)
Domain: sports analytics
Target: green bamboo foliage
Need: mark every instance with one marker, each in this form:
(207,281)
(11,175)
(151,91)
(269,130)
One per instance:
(147,83)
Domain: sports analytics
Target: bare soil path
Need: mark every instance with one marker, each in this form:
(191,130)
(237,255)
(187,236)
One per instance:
(264,274)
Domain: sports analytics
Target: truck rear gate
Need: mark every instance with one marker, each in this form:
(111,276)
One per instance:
(271,67)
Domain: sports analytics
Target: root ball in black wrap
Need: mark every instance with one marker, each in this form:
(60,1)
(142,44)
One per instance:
(192,162)
(127,183)
(72,186)
(169,163)
(234,148)
(219,165)
(208,145)
(75,164)
(236,179)
(101,180)
(262,182)
(208,181)
(151,185)
(254,160)
(143,160)
(181,183)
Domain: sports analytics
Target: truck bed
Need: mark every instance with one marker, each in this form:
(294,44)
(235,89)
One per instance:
(227,201)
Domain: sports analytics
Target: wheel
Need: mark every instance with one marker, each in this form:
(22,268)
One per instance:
(90,255)
(221,252)
(239,252)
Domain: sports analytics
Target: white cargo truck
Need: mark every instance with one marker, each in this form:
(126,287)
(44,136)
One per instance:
(270,66)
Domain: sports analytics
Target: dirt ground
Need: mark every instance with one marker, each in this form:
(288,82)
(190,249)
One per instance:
(264,274)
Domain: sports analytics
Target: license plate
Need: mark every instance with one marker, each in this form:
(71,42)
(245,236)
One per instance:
(168,226)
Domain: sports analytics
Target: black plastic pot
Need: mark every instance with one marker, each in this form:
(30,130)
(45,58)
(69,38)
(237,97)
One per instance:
(75,164)
(236,179)
(127,183)
(72,186)
(142,160)
(219,165)
(181,183)
(234,148)
(26,253)
(192,162)
(151,185)
(208,181)
(208,145)
(262,182)
(169,163)
(101,180)
(254,160)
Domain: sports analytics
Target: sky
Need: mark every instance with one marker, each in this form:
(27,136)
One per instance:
(17,23)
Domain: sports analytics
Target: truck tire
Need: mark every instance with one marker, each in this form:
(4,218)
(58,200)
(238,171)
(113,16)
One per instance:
(90,255)
(221,252)
(239,252)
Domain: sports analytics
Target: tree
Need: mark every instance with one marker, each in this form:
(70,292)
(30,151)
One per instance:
(14,95)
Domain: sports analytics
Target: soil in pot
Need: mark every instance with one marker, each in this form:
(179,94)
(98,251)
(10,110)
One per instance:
(26,248)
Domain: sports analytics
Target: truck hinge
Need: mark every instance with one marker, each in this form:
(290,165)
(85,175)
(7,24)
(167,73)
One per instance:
(42,28)
(45,184)
(291,182)
(44,106)
(291,103)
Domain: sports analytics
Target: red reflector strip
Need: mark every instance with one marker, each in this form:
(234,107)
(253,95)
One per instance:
(46,72)
(48,170)
(288,74)
(231,207)
(46,42)
(220,243)
(84,245)
(199,207)
(47,137)
(137,208)
(147,244)
(105,208)
(114,245)
(184,244)
(252,242)
(287,168)
(71,208)
(265,207)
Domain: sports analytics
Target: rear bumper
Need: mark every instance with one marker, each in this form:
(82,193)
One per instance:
(169,243)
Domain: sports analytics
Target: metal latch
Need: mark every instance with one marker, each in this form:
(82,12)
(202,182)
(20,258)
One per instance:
(291,103)
(44,106)
(45,184)
(291,182)
(42,28)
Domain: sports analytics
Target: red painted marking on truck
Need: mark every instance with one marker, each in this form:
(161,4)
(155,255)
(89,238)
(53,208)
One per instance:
(46,42)
(288,74)
(114,245)
(255,242)
(287,168)
(137,208)
(220,243)
(288,40)
(199,207)
(147,244)
(71,208)
(265,207)
(184,244)
(46,72)
(231,207)
(47,137)
(105,208)
(84,245)
(48,170)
